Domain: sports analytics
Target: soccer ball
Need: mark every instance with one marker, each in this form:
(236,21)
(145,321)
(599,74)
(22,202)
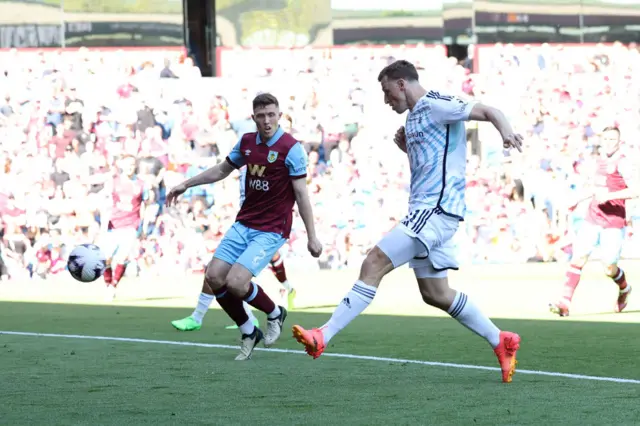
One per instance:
(86,263)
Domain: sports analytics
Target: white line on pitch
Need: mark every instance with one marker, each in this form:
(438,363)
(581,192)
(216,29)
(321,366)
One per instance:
(326,354)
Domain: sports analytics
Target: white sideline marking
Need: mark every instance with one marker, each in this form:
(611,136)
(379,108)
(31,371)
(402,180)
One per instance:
(334,355)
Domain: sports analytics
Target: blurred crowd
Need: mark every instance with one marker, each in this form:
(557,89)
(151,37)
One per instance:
(66,118)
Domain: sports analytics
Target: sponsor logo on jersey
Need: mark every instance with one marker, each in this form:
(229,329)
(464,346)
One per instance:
(256,169)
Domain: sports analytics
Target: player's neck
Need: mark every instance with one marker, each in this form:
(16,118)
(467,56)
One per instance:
(414,94)
(264,138)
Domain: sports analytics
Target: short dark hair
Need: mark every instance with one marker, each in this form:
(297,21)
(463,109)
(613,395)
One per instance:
(611,129)
(265,99)
(401,69)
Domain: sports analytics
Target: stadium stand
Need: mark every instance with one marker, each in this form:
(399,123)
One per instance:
(66,116)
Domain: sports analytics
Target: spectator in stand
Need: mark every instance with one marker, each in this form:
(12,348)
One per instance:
(65,117)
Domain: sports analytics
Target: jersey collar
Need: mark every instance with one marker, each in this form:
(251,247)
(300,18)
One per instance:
(273,139)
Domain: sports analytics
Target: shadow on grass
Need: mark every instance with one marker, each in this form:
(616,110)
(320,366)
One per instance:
(550,345)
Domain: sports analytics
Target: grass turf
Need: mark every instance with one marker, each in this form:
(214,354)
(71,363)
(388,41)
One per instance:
(47,380)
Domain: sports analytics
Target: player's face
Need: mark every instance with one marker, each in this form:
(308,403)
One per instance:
(128,166)
(395,94)
(266,119)
(610,141)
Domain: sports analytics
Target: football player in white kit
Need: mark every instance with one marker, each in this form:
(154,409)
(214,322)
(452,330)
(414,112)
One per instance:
(434,139)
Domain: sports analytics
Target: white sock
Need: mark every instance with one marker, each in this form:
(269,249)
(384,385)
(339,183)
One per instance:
(274,314)
(204,301)
(287,286)
(469,315)
(356,301)
(247,328)
(249,311)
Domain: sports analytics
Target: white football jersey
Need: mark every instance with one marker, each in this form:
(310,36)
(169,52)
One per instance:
(437,150)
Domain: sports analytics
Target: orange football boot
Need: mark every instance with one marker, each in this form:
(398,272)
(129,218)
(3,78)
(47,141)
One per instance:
(506,353)
(313,340)
(623,299)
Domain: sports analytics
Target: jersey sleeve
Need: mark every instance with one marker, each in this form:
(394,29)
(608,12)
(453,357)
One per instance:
(447,109)
(297,161)
(235,157)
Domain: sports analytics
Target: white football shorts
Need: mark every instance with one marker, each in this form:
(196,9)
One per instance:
(118,244)
(424,239)
(609,242)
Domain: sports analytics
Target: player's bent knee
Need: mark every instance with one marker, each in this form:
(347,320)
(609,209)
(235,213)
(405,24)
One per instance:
(238,280)
(375,266)
(611,270)
(215,276)
(206,288)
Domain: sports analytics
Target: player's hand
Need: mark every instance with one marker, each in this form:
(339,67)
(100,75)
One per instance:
(513,140)
(172,196)
(315,247)
(400,139)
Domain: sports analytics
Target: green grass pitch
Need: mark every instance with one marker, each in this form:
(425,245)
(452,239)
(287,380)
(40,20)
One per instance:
(68,381)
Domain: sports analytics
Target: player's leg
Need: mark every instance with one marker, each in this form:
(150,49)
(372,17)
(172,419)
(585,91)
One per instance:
(194,321)
(250,314)
(217,277)
(127,239)
(277,267)
(586,239)
(611,241)
(108,244)
(431,274)
(262,246)
(395,249)
(231,247)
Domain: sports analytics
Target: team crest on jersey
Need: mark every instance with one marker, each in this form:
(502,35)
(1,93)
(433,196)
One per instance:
(247,152)
(273,156)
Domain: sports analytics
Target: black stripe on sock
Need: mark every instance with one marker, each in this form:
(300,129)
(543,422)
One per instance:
(462,301)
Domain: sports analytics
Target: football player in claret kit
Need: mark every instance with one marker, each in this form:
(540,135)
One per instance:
(616,180)
(121,222)
(276,264)
(276,171)
(434,139)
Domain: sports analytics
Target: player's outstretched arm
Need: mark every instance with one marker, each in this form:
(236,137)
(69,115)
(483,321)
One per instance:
(452,109)
(306,213)
(481,112)
(212,175)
